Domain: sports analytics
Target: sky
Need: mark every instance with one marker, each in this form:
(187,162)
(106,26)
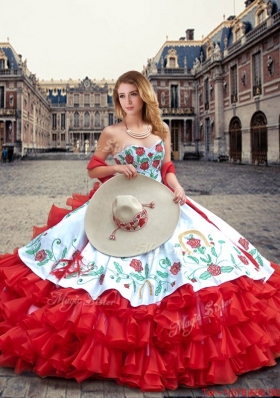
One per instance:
(63,39)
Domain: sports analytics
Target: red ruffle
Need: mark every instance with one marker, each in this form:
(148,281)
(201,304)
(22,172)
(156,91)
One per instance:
(192,339)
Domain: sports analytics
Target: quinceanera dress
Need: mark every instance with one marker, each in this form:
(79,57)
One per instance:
(199,310)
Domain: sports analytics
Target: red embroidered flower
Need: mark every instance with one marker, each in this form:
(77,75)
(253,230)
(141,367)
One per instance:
(175,268)
(129,159)
(144,166)
(159,148)
(150,154)
(126,286)
(40,256)
(101,279)
(193,280)
(243,242)
(194,243)
(156,163)
(117,161)
(136,264)
(140,151)
(243,259)
(173,284)
(214,270)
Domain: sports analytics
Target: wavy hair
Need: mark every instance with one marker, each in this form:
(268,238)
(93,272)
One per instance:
(150,112)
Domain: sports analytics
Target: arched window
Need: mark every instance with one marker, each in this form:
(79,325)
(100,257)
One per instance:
(259,138)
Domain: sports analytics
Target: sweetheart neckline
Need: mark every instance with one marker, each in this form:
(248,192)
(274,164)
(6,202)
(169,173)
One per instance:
(140,146)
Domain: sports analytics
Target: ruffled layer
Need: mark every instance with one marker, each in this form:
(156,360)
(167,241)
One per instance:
(191,339)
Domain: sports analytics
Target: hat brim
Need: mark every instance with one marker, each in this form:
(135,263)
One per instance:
(162,221)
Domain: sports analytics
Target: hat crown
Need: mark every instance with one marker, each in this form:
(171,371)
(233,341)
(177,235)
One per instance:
(125,207)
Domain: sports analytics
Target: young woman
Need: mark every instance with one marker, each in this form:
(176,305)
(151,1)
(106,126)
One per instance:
(200,308)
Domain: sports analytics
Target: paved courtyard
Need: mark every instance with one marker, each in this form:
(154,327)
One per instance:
(247,197)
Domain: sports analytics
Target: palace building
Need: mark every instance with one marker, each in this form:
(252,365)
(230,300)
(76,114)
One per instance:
(219,95)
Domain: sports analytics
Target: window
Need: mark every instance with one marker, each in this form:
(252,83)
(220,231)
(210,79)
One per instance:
(261,16)
(257,79)
(97,119)
(62,137)
(76,99)
(54,121)
(233,83)
(174,96)
(54,137)
(63,121)
(86,100)
(2,64)
(206,91)
(97,99)
(2,97)
(111,118)
(76,119)
(86,119)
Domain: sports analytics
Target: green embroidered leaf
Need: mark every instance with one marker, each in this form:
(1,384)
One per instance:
(201,249)
(226,269)
(118,267)
(167,261)
(221,241)
(163,274)
(144,160)
(205,275)
(194,259)
(134,286)
(64,252)
(237,250)
(213,251)
(232,259)
(137,276)
(147,270)
(49,253)
(43,262)
(253,252)
(158,289)
(118,279)
(31,252)
(259,260)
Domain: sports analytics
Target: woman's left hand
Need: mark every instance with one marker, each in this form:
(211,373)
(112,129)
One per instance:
(179,196)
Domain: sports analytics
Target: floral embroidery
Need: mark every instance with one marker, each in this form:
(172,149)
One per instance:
(129,159)
(144,160)
(244,260)
(140,151)
(159,148)
(101,279)
(40,255)
(214,270)
(136,264)
(194,243)
(175,268)
(244,243)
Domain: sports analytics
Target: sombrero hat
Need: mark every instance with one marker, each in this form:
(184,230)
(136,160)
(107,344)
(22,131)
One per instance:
(127,218)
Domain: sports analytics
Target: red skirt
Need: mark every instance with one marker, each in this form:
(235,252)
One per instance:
(191,339)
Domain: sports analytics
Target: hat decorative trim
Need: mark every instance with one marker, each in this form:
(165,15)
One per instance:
(138,221)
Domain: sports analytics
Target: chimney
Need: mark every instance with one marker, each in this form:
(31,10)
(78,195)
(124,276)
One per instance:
(189,34)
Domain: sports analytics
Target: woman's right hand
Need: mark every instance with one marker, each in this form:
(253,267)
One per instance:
(127,169)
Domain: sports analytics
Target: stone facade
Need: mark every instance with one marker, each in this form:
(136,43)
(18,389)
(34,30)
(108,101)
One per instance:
(220,96)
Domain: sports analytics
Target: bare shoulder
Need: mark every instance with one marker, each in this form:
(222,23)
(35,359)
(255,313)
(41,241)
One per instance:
(108,142)
(166,127)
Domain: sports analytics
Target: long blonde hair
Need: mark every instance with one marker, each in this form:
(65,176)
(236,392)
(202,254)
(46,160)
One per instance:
(150,112)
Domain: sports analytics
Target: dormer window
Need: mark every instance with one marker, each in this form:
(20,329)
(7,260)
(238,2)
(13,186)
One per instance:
(261,17)
(3,60)
(239,30)
(172,59)
(263,11)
